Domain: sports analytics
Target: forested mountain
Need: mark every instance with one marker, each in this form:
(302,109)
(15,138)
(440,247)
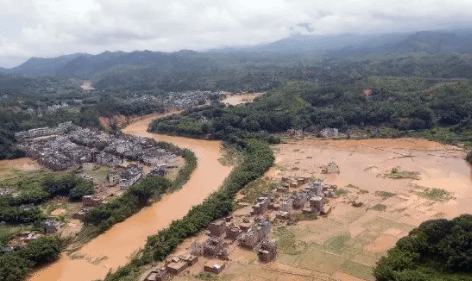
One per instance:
(294,51)
(35,66)
(86,66)
(430,42)
(14,82)
(319,43)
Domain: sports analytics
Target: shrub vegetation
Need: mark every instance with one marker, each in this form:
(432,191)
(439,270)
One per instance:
(436,250)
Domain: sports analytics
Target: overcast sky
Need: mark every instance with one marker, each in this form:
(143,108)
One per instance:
(47,28)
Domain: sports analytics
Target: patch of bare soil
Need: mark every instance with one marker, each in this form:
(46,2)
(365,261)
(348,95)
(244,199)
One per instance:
(119,120)
(341,276)
(241,98)
(58,212)
(23,164)
(87,85)
(381,244)
(70,229)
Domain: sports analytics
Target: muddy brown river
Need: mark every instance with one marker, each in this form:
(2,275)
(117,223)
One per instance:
(114,247)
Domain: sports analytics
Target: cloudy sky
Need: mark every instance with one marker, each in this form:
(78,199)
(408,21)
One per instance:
(47,28)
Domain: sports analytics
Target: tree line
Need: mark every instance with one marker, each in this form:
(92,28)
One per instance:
(16,265)
(436,250)
(24,208)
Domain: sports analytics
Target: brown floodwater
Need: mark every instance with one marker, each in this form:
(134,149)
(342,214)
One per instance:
(365,164)
(115,246)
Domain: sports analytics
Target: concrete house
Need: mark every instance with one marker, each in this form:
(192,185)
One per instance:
(214,266)
(233,232)
(196,248)
(218,228)
(212,246)
(130,176)
(267,251)
(176,267)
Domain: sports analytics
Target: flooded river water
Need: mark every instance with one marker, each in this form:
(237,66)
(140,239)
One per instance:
(115,246)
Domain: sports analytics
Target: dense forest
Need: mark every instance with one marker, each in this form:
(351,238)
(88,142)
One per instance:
(394,106)
(17,264)
(436,250)
(26,210)
(24,207)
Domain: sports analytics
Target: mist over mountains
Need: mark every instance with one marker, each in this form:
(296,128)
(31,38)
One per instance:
(330,46)
(427,53)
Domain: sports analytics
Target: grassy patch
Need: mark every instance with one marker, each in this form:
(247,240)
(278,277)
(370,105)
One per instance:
(379,207)
(287,242)
(384,194)
(357,270)
(25,181)
(360,190)
(99,174)
(304,217)
(206,276)
(77,256)
(231,156)
(255,188)
(436,194)
(7,232)
(280,168)
(397,174)
(342,192)
(319,260)
(337,244)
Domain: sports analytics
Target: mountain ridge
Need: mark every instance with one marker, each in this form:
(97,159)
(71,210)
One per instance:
(86,66)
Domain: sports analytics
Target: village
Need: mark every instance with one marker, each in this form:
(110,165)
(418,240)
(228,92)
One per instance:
(168,101)
(111,162)
(59,150)
(177,100)
(247,229)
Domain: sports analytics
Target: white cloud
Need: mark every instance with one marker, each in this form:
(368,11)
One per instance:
(55,27)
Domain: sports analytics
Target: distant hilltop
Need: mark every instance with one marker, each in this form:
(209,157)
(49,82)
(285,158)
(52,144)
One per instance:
(86,66)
